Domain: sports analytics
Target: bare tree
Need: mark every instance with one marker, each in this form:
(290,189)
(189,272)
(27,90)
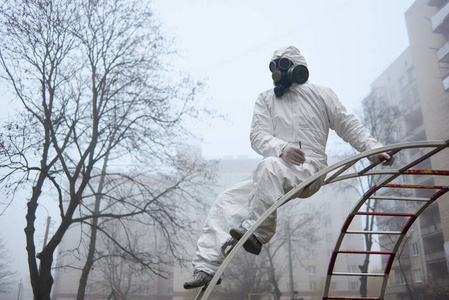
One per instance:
(97,90)
(7,276)
(295,235)
(121,272)
(246,275)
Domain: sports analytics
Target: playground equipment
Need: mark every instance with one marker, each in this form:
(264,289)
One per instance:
(337,173)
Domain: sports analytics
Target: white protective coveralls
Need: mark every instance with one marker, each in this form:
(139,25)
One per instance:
(304,113)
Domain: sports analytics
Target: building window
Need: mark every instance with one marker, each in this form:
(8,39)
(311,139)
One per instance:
(311,270)
(310,253)
(415,95)
(353,285)
(392,93)
(313,286)
(406,101)
(415,249)
(411,74)
(418,275)
(401,279)
(403,82)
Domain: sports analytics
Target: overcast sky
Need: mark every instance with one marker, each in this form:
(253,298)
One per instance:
(229,44)
(347,45)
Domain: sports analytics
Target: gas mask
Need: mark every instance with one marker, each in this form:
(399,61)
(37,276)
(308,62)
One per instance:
(284,73)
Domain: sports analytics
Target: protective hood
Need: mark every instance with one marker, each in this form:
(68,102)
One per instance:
(291,53)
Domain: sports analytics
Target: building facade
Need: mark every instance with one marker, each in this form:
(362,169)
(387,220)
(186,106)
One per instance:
(418,83)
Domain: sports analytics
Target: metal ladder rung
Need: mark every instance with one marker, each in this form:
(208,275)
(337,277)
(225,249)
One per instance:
(426,172)
(415,186)
(358,274)
(350,298)
(365,252)
(373,232)
(387,214)
(400,198)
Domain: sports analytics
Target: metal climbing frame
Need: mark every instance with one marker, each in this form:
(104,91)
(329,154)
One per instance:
(409,217)
(335,173)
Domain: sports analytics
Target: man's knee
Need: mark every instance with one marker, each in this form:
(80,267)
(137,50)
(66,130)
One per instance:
(270,164)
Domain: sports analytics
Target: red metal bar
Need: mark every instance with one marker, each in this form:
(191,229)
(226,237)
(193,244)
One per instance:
(389,264)
(332,263)
(365,252)
(427,172)
(350,298)
(408,225)
(391,153)
(346,224)
(371,213)
(439,193)
(415,186)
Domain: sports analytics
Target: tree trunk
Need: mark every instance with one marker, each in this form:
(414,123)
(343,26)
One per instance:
(93,235)
(272,275)
(364,269)
(89,259)
(30,247)
(410,293)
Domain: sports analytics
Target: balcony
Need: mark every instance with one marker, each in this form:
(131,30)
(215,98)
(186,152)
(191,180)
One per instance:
(435,257)
(405,261)
(440,21)
(437,3)
(431,229)
(415,130)
(443,53)
(446,84)
(396,289)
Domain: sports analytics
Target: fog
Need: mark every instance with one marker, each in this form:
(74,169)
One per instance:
(228,44)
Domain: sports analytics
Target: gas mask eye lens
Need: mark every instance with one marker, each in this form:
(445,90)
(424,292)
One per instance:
(272,66)
(284,63)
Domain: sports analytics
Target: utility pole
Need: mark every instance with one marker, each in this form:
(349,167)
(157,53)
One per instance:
(290,262)
(46,232)
(19,295)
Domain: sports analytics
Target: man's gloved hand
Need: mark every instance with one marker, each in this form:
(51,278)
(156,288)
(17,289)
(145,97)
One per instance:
(293,155)
(389,160)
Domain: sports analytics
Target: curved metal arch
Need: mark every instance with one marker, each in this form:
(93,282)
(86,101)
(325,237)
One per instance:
(339,168)
(389,175)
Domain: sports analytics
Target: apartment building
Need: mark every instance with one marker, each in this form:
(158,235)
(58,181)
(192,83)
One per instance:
(418,83)
(428,28)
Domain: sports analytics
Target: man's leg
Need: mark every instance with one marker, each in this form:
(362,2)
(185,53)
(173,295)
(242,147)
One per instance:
(229,210)
(271,180)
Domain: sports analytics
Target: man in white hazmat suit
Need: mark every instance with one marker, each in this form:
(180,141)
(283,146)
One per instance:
(290,127)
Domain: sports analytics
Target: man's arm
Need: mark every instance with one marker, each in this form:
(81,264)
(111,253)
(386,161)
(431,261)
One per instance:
(261,135)
(349,128)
